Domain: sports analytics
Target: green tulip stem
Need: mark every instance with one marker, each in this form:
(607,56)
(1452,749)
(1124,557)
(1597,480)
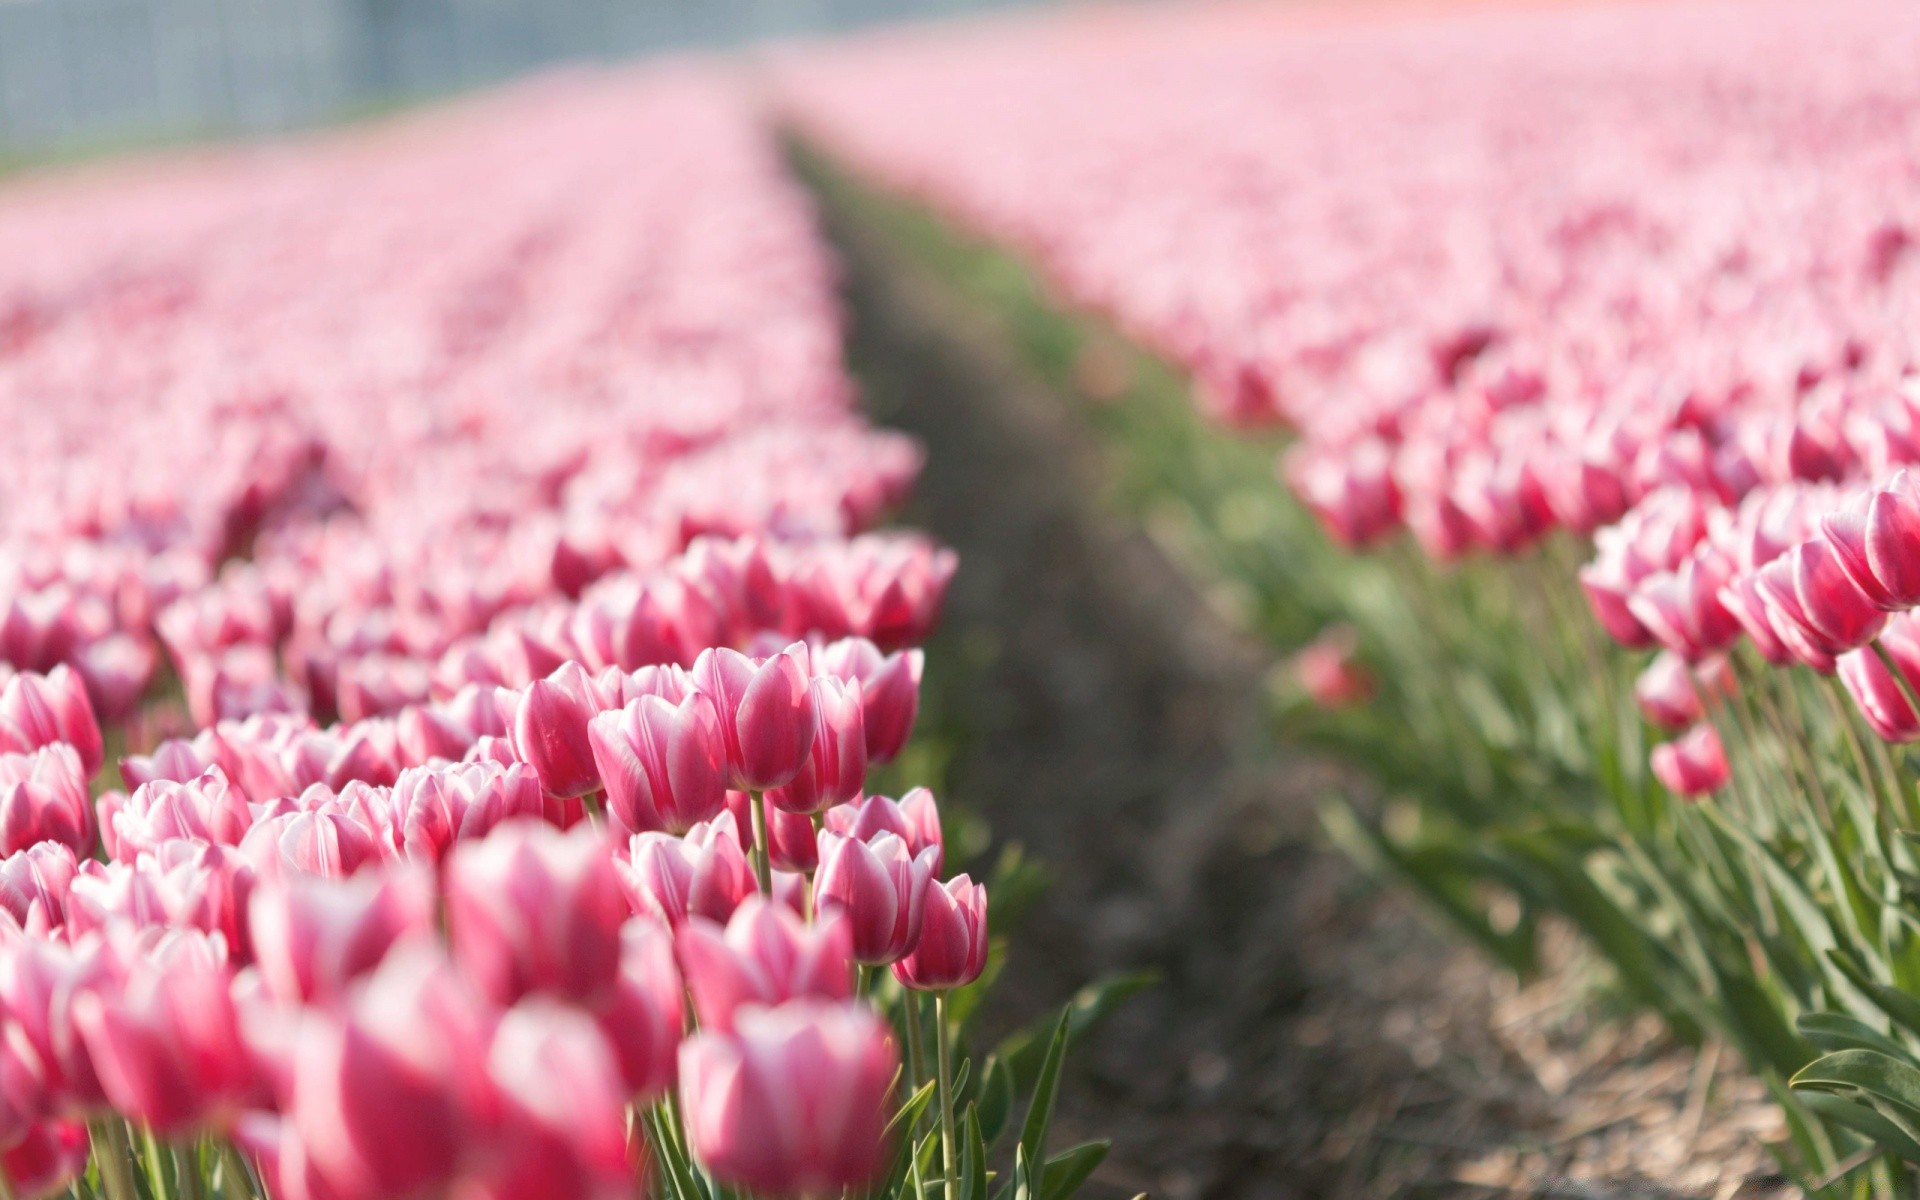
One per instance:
(944,1051)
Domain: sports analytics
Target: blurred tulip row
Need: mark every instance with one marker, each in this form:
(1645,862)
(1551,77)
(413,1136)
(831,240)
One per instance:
(1595,331)
(453,534)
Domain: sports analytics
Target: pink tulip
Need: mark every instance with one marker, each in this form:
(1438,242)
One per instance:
(532,909)
(644,1016)
(38,711)
(1329,672)
(40,983)
(558,1126)
(1813,588)
(206,808)
(1693,764)
(165,1042)
(889,690)
(766,711)
(43,798)
(952,950)
(313,936)
(46,1159)
(431,808)
(550,730)
(880,887)
(1748,605)
(1667,694)
(835,770)
(33,886)
(1682,608)
(1877,539)
(703,873)
(765,955)
(794,1102)
(384,1090)
(664,765)
(322,841)
(791,844)
(914,819)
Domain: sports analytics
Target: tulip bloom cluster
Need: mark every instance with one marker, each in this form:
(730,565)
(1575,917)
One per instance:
(451,977)
(457,534)
(1583,366)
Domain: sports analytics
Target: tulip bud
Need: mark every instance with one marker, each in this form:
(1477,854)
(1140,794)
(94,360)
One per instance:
(550,730)
(766,955)
(33,886)
(881,888)
(1666,692)
(766,711)
(952,950)
(1693,764)
(322,841)
(43,798)
(794,1101)
(835,770)
(558,1126)
(1328,671)
(914,819)
(889,690)
(704,873)
(39,710)
(166,1042)
(664,766)
(532,909)
(411,1041)
(206,808)
(644,1015)
(430,808)
(313,936)
(1877,539)
(47,1158)
(1813,589)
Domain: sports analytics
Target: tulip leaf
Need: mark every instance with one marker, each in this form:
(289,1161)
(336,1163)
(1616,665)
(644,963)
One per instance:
(1837,1031)
(1024,1051)
(1066,1171)
(1033,1134)
(899,1132)
(1888,1087)
(995,1103)
(1904,1009)
(973,1172)
(1865,1121)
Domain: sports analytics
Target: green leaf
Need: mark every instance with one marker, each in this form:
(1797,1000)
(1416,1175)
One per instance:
(1864,1121)
(995,1103)
(1033,1134)
(1066,1171)
(1904,1009)
(1023,1052)
(1837,1031)
(973,1172)
(1889,1087)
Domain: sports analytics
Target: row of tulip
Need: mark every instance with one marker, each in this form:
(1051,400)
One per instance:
(497,820)
(1594,329)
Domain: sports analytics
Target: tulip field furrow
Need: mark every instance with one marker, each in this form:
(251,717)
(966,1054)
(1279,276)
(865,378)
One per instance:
(1591,332)
(446,641)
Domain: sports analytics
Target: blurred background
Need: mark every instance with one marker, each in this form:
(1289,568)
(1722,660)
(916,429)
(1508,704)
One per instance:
(94,74)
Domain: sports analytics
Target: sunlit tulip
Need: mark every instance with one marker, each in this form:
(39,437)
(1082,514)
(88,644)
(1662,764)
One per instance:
(38,711)
(532,909)
(1877,539)
(765,955)
(914,818)
(794,1102)
(952,948)
(703,873)
(43,798)
(766,710)
(644,1016)
(882,889)
(664,765)
(312,936)
(889,690)
(550,730)
(835,770)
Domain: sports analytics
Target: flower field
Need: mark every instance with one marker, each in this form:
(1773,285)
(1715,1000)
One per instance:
(1583,339)
(450,661)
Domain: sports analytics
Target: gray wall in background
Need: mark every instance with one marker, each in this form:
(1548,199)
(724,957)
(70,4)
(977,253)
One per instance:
(98,72)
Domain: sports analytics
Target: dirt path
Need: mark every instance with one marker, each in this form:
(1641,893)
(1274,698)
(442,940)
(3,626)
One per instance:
(1313,1037)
